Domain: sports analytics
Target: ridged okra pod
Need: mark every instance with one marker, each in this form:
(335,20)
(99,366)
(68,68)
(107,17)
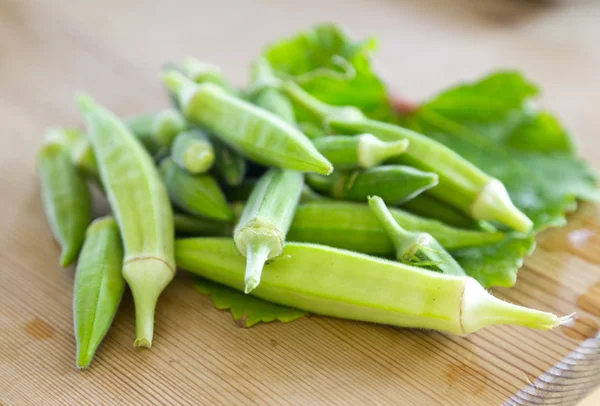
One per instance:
(414,248)
(461,183)
(339,283)
(196,194)
(98,287)
(192,151)
(157,130)
(200,227)
(353,226)
(260,233)
(140,204)
(254,132)
(394,183)
(78,146)
(66,199)
(358,151)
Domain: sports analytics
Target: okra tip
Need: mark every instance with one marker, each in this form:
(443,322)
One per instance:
(84,102)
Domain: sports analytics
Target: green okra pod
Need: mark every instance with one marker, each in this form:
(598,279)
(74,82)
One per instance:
(98,287)
(192,151)
(66,199)
(196,194)
(79,147)
(202,72)
(140,204)
(260,233)
(268,97)
(353,226)
(394,183)
(200,227)
(461,183)
(414,248)
(254,132)
(358,151)
(229,166)
(339,283)
(157,130)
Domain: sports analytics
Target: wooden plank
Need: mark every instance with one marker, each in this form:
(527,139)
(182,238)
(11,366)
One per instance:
(114,50)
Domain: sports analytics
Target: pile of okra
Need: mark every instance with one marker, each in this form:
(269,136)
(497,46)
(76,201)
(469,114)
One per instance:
(308,188)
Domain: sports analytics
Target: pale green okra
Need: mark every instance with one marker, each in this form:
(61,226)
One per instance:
(196,194)
(140,204)
(254,132)
(339,283)
(193,152)
(414,248)
(394,183)
(461,183)
(98,287)
(66,199)
(353,226)
(260,233)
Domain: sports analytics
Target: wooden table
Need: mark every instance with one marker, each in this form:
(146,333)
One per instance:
(114,49)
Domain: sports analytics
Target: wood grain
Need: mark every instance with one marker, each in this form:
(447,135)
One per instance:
(114,50)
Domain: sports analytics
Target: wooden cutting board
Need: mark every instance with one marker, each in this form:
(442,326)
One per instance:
(114,50)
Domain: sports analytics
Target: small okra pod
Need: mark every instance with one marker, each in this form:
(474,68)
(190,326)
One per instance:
(157,130)
(353,226)
(268,97)
(345,284)
(66,199)
(192,151)
(462,184)
(430,207)
(254,132)
(394,183)
(414,248)
(200,227)
(98,287)
(140,204)
(229,166)
(79,147)
(358,151)
(260,233)
(199,195)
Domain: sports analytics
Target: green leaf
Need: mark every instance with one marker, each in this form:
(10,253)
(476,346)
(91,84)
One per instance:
(527,150)
(246,310)
(495,264)
(331,67)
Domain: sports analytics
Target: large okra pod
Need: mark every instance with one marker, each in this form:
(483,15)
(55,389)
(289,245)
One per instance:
(230,167)
(461,183)
(66,199)
(140,203)
(260,232)
(192,151)
(253,131)
(394,183)
(157,130)
(414,248)
(339,283)
(353,226)
(98,287)
(196,194)
(358,151)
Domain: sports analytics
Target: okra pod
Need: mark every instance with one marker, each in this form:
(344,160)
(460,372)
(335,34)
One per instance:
(353,226)
(394,183)
(358,151)
(157,130)
(254,132)
(311,130)
(192,151)
(414,248)
(202,72)
(140,204)
(260,232)
(461,183)
(98,287)
(196,194)
(78,146)
(339,283)
(268,97)
(66,199)
(200,227)
(230,167)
